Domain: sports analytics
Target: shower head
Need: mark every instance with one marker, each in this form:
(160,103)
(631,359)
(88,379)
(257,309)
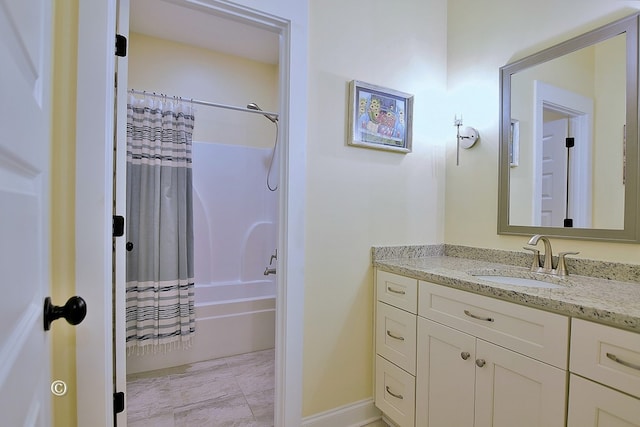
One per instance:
(254,106)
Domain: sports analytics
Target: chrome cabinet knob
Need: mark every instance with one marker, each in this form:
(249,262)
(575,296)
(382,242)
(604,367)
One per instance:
(480,363)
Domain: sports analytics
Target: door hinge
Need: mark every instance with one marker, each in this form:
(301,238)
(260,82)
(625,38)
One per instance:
(118,226)
(121,45)
(569,142)
(118,402)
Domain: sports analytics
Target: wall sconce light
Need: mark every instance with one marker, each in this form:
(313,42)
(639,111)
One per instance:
(465,137)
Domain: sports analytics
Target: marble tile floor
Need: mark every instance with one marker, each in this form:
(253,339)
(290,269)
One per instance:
(236,391)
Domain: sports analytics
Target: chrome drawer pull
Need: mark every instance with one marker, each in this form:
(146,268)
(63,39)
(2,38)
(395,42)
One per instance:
(480,363)
(486,319)
(395,336)
(623,363)
(397,396)
(465,355)
(395,291)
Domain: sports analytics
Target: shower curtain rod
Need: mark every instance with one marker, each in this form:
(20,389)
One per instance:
(207,103)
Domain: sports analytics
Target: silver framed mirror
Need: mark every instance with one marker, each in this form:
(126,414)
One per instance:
(568,157)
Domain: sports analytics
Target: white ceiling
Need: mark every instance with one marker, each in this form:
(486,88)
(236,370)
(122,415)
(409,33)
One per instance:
(159,18)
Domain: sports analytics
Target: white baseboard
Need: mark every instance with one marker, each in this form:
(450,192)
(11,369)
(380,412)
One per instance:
(358,414)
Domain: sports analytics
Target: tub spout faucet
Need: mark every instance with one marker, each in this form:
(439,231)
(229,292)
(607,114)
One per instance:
(547,266)
(268,271)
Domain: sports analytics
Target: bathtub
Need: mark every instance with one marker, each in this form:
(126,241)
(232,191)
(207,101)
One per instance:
(231,318)
(230,292)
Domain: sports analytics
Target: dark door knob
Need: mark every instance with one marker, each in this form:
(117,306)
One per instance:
(74,311)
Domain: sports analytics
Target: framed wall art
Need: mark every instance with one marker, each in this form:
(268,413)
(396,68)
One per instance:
(379,118)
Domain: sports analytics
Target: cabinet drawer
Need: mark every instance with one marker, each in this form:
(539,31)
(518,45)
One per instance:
(607,355)
(399,291)
(395,393)
(538,334)
(592,404)
(396,336)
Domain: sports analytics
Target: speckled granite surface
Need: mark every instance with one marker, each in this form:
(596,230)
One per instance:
(612,297)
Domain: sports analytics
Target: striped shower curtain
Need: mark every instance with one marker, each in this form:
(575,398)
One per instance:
(160,284)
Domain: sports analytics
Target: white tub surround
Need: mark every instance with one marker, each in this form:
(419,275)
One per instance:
(234,214)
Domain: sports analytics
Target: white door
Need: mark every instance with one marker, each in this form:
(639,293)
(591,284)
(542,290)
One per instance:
(554,174)
(25,35)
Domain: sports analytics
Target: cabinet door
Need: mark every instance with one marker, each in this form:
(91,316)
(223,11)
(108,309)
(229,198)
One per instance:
(515,390)
(592,404)
(445,376)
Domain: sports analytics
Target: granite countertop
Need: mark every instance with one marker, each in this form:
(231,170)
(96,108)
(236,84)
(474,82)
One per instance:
(612,302)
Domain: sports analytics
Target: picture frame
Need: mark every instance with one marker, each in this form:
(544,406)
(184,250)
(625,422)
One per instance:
(379,118)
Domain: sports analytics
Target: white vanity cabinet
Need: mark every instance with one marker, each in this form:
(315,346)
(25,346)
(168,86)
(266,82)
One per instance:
(486,362)
(478,361)
(395,337)
(604,386)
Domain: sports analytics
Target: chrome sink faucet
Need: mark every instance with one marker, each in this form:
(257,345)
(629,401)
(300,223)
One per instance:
(547,265)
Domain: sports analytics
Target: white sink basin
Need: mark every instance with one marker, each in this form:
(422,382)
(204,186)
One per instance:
(517,281)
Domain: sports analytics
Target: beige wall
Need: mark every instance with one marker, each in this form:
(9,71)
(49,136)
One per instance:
(610,85)
(210,76)
(480,40)
(63,175)
(360,197)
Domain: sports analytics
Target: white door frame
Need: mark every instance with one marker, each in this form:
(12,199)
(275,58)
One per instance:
(120,197)
(94,195)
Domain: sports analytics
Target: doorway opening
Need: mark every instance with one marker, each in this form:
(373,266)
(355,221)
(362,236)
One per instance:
(95,194)
(231,61)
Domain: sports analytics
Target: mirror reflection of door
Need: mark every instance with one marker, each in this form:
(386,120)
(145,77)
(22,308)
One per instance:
(553,197)
(562,189)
